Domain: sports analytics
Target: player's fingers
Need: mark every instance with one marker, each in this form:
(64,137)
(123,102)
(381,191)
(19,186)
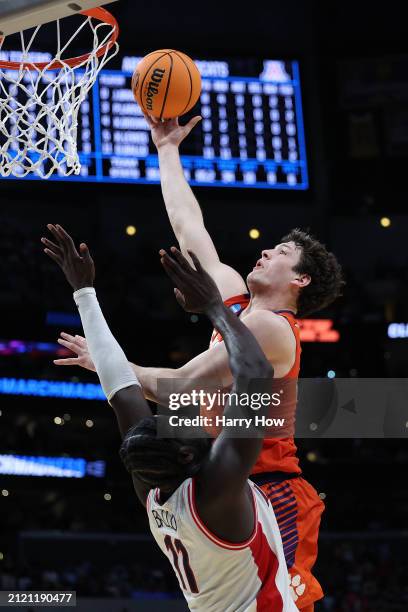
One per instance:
(174,279)
(56,235)
(54,256)
(62,243)
(173,271)
(81,341)
(66,238)
(172,264)
(67,336)
(180,297)
(69,361)
(181,259)
(51,245)
(195,261)
(69,345)
(193,122)
(164,256)
(78,341)
(83,249)
(148,120)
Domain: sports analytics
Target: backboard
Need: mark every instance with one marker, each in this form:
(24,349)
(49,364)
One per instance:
(17,15)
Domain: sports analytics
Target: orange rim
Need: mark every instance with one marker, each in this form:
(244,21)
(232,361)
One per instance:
(100,14)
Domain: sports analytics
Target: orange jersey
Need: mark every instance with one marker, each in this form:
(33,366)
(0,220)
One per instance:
(277,454)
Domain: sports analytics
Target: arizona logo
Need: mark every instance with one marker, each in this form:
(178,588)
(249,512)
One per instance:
(152,87)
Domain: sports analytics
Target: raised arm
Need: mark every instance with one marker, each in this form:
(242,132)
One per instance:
(117,377)
(118,380)
(183,209)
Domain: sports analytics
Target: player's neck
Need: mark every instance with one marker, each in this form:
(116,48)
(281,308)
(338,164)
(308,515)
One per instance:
(165,494)
(270,302)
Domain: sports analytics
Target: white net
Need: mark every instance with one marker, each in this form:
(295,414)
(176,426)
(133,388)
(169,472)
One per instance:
(39,103)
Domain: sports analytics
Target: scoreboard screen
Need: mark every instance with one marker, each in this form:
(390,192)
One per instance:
(251,133)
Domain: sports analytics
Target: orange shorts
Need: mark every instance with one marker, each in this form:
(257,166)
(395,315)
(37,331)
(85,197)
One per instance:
(298,510)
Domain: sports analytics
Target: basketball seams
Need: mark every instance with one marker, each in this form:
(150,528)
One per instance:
(146,74)
(191,80)
(167,86)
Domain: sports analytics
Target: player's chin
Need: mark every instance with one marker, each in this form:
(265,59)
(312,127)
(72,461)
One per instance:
(254,276)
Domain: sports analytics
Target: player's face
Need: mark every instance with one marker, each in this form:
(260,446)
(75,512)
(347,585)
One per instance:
(274,269)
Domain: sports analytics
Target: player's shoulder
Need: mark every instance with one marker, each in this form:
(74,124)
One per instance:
(274,334)
(268,318)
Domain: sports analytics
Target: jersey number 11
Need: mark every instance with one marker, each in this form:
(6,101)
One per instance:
(177,549)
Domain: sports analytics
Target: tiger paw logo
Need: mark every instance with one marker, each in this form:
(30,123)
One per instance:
(297,588)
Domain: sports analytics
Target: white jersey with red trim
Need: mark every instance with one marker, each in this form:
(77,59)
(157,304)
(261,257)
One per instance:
(220,576)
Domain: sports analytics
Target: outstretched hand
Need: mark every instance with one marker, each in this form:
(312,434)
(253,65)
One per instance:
(169,131)
(79,267)
(78,345)
(194,289)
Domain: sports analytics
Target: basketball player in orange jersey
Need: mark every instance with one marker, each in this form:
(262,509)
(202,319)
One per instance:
(295,278)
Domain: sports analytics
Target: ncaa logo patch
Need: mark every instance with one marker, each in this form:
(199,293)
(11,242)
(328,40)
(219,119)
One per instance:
(236,308)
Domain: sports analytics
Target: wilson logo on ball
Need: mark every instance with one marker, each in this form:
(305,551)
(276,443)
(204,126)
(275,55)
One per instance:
(153,86)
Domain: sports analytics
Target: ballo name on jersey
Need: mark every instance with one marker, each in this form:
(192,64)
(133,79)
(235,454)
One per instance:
(223,421)
(164,518)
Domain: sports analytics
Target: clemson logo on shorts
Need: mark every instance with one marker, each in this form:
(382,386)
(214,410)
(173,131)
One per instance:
(296,587)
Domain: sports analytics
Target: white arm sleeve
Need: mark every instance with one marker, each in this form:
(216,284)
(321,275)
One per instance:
(110,361)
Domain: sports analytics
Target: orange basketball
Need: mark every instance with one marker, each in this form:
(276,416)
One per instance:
(166,84)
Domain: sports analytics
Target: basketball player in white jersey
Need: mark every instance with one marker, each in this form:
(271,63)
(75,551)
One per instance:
(216,527)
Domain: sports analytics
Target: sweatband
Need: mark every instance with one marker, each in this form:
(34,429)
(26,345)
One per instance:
(114,370)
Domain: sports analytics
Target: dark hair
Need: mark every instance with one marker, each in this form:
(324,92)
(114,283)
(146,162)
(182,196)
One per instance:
(156,458)
(322,267)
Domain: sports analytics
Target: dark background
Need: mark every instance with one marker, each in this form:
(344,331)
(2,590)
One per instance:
(353,60)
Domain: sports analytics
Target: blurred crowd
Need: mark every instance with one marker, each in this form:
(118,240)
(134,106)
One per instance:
(131,581)
(363,576)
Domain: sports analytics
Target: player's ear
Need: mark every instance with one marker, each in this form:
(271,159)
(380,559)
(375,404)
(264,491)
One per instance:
(302,280)
(185,455)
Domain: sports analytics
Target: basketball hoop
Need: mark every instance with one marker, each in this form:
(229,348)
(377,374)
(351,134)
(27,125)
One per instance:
(40,101)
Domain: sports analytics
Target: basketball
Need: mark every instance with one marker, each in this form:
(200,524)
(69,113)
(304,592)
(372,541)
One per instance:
(166,84)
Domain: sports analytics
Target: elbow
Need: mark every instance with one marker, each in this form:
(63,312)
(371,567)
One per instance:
(179,225)
(183,222)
